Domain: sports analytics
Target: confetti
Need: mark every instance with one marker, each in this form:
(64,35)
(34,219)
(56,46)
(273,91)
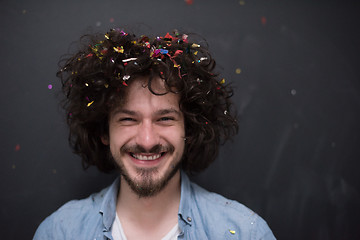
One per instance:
(189,2)
(293,92)
(195,45)
(126,77)
(263,20)
(89,104)
(222,81)
(238,71)
(17,147)
(119,49)
(50,86)
(129,59)
(232,232)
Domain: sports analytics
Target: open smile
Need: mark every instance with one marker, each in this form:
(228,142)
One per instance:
(147,156)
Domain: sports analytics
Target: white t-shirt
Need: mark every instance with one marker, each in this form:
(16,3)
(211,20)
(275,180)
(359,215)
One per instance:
(118,232)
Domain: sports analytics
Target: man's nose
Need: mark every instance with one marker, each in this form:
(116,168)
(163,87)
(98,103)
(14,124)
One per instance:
(147,135)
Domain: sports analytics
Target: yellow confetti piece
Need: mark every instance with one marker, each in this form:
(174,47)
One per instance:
(232,232)
(119,49)
(176,65)
(89,104)
(107,36)
(238,71)
(222,81)
(195,45)
(106,85)
(195,53)
(86,84)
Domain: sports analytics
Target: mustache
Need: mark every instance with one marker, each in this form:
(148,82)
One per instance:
(156,149)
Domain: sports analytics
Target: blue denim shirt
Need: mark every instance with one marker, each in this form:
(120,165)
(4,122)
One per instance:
(202,215)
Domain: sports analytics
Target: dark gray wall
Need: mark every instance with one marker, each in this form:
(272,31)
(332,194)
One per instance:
(296,158)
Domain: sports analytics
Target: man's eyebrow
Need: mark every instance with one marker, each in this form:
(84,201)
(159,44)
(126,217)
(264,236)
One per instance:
(168,111)
(159,112)
(123,111)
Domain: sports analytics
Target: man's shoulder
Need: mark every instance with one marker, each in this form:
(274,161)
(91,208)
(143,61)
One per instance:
(228,216)
(216,202)
(72,215)
(82,206)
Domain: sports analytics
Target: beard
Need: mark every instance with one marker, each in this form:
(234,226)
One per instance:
(145,184)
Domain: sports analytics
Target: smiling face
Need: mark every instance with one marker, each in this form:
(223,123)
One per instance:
(146,137)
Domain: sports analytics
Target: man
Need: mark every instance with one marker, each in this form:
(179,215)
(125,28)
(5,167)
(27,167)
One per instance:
(151,109)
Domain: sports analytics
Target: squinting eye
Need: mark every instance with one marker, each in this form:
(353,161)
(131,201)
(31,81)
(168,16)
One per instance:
(166,119)
(126,119)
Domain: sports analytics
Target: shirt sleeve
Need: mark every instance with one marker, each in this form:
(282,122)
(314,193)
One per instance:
(262,230)
(48,230)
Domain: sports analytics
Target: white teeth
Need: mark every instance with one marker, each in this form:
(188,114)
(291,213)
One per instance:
(146,157)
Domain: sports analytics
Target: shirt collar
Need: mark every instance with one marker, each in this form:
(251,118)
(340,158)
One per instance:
(185,200)
(108,205)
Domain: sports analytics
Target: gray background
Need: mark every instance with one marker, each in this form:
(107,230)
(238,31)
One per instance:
(296,158)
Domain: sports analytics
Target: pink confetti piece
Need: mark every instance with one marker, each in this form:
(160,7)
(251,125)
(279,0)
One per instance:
(50,86)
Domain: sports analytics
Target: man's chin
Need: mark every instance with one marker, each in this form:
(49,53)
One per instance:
(147,183)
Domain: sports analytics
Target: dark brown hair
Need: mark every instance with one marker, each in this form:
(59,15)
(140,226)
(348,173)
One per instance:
(95,78)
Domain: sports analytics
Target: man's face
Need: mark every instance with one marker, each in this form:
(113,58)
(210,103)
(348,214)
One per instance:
(146,137)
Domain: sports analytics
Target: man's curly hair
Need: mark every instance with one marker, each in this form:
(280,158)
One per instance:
(95,79)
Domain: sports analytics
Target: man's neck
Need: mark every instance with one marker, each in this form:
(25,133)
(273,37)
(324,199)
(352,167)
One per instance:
(149,212)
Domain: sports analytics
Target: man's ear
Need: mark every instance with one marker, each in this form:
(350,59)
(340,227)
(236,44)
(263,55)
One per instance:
(105,139)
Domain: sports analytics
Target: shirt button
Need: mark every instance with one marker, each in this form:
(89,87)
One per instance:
(189,219)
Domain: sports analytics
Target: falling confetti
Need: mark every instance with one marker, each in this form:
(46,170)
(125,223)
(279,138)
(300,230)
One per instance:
(89,104)
(189,2)
(232,232)
(242,2)
(50,86)
(263,20)
(17,147)
(238,71)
